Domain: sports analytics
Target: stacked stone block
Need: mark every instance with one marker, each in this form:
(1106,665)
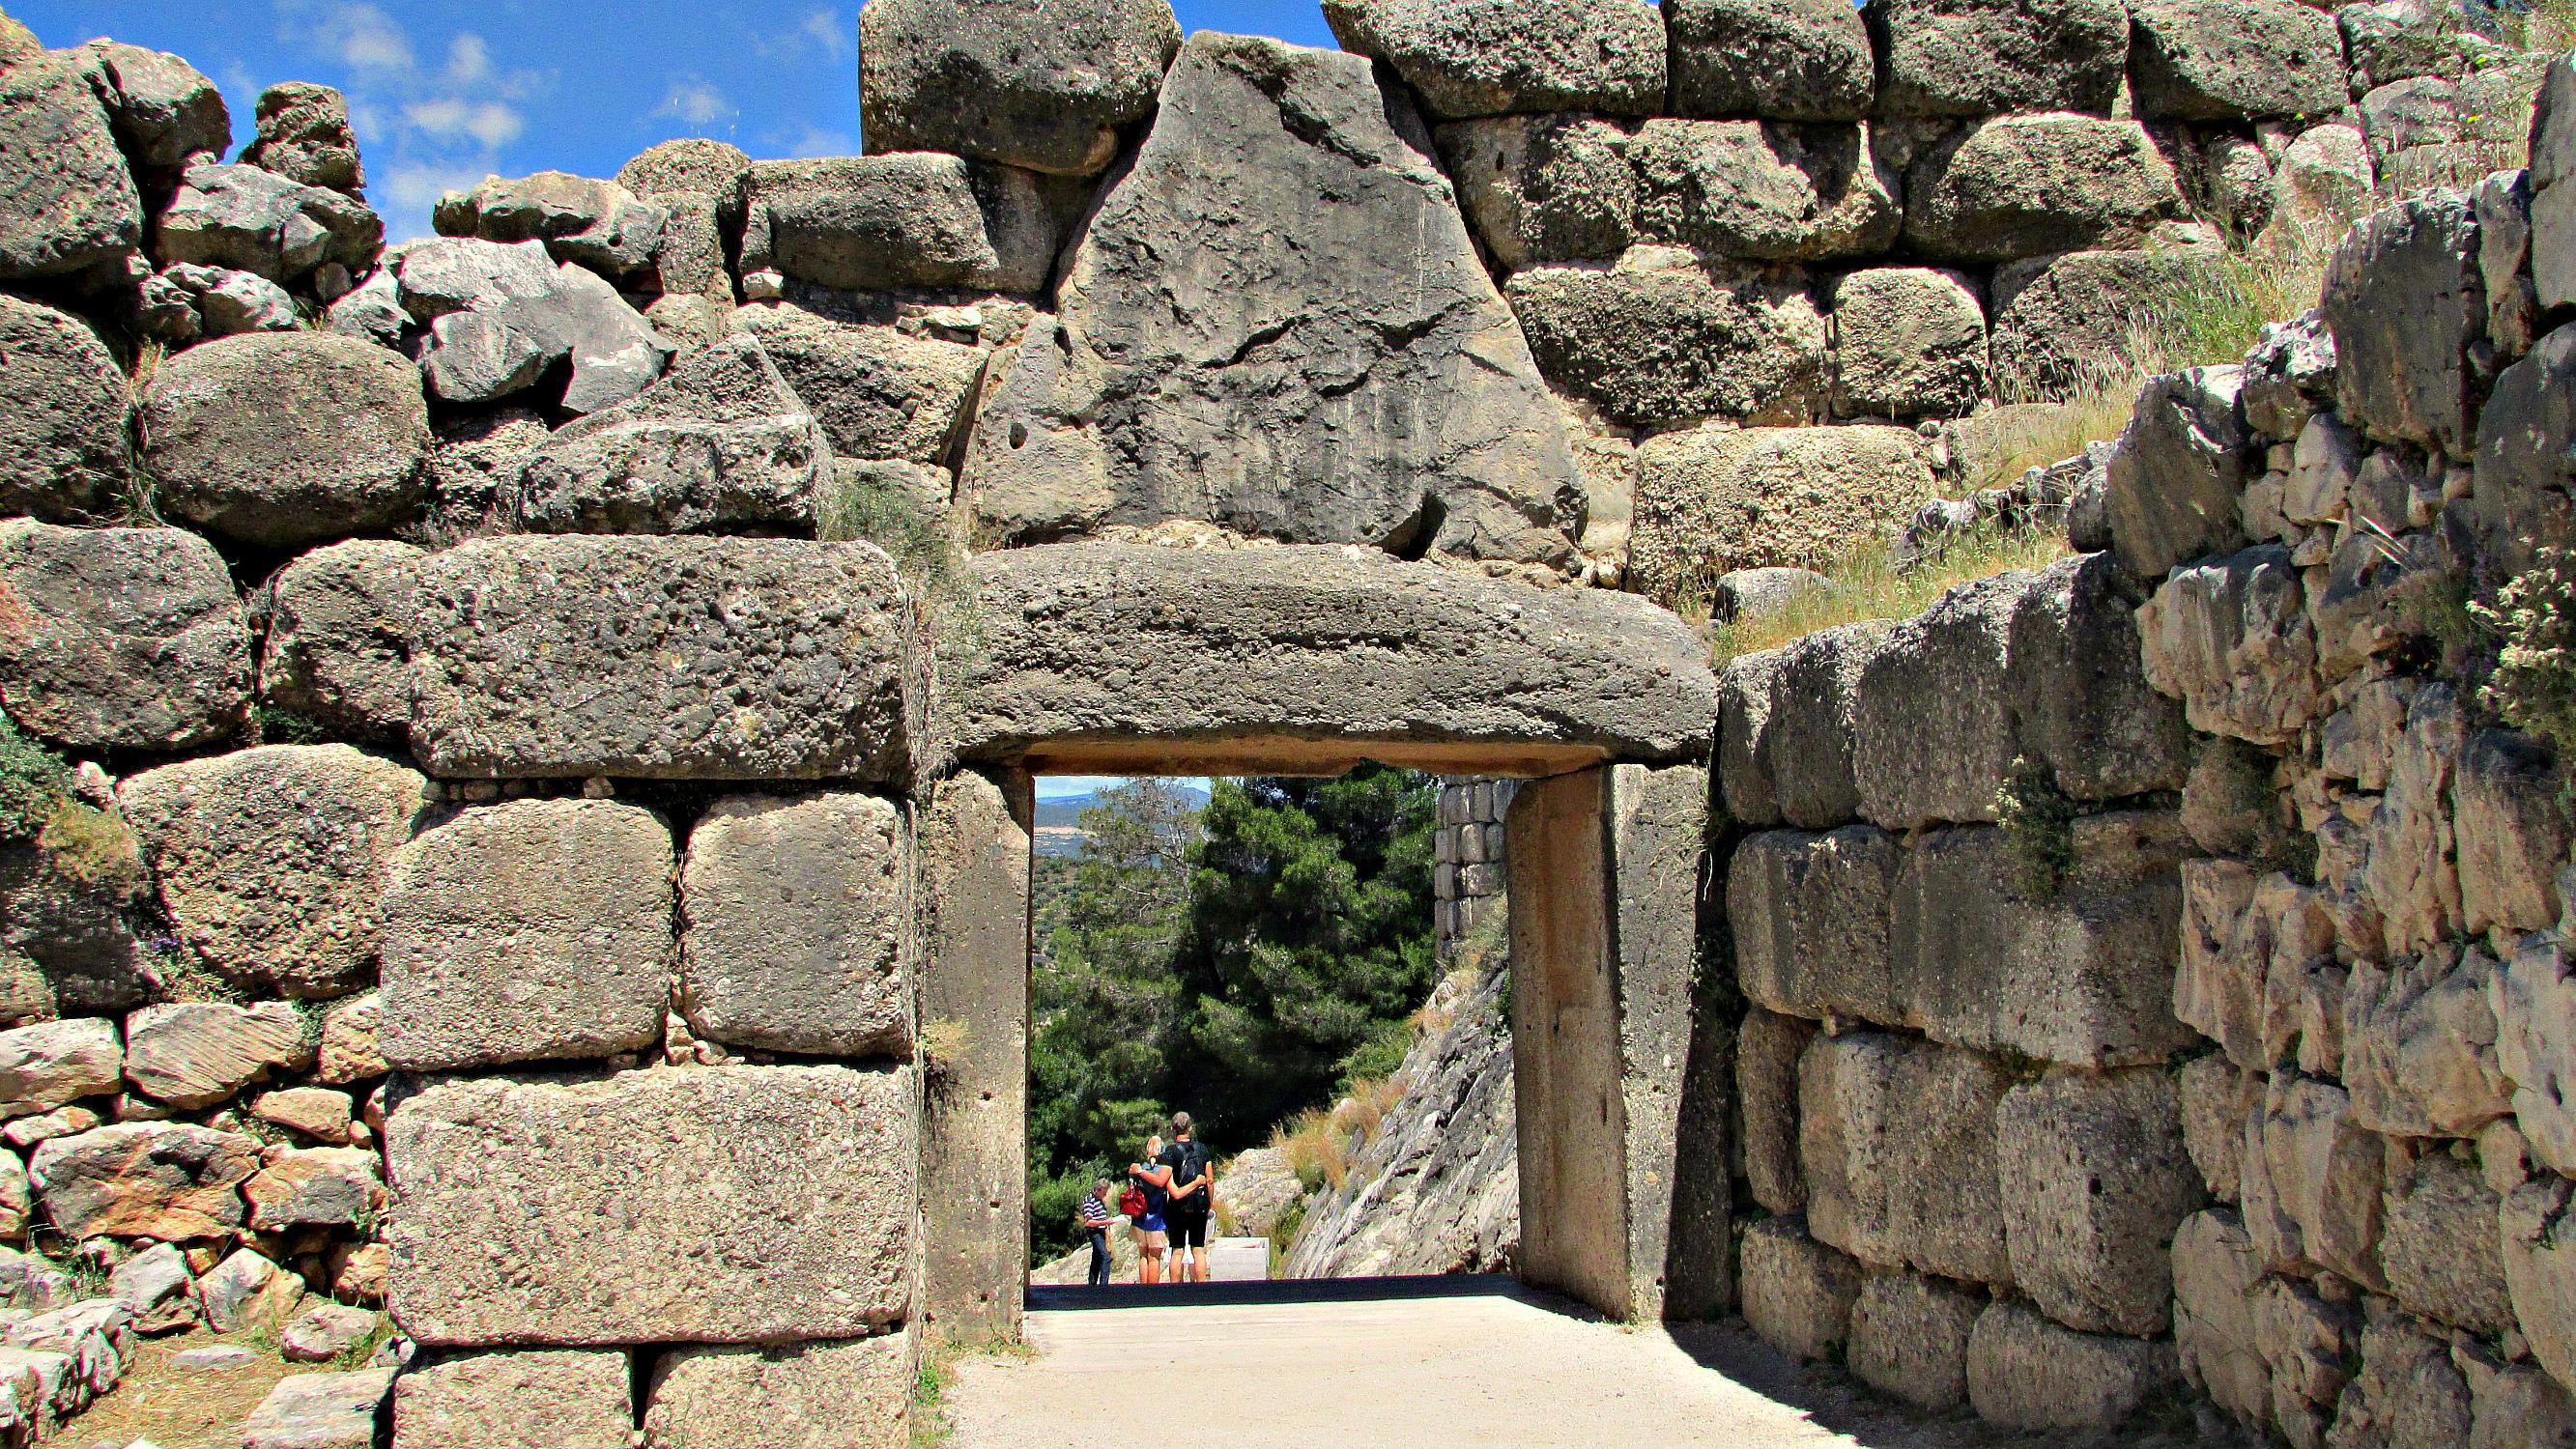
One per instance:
(1471,876)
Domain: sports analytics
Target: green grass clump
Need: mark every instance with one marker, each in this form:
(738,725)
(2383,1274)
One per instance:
(867,508)
(2038,822)
(34,783)
(1868,585)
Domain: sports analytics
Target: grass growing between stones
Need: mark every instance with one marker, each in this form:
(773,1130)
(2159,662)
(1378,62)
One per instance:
(185,1408)
(935,1378)
(1868,585)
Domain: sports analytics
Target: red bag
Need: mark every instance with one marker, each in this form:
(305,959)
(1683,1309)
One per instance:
(1132,1202)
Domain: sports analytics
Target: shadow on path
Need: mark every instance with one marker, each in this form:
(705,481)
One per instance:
(1297,1290)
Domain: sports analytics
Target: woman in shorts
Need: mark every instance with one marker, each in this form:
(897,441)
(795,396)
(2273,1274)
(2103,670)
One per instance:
(1152,1231)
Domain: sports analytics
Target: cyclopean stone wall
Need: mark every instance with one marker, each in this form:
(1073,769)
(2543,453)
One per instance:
(2237,1064)
(1467,876)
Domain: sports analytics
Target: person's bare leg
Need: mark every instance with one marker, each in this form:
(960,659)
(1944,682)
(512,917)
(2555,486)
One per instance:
(1199,1266)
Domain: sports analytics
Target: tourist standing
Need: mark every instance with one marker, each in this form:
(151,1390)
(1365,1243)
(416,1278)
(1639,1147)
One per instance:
(1193,1201)
(1151,1182)
(1096,1218)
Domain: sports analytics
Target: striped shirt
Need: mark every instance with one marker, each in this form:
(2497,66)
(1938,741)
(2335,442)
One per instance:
(1095,1213)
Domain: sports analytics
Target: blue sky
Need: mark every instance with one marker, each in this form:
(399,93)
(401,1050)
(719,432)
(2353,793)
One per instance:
(445,93)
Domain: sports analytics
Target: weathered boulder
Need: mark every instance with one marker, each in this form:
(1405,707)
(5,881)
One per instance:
(69,202)
(796,937)
(348,1052)
(2214,1097)
(1909,342)
(337,648)
(1788,60)
(1714,500)
(2224,60)
(880,391)
(1909,1339)
(2404,298)
(2408,1391)
(2080,705)
(776,1204)
(280,439)
(1124,642)
(1045,86)
(718,444)
(246,218)
(271,860)
(2419,1044)
(2322,182)
(2231,639)
(124,638)
(194,1054)
(1746,596)
(1939,675)
(2395,40)
(857,1392)
(70,908)
(529,931)
(168,1181)
(2540,1270)
(1813,696)
(2060,322)
(1542,189)
(2180,469)
(320,1411)
(1342,374)
(2026,1373)
(599,224)
(2246,944)
(51,1064)
(1998,191)
(1662,338)
(316,1187)
(246,1290)
(1898,1137)
(874,223)
(1810,916)
(2553,202)
(220,302)
(316,1112)
(2410,876)
(1797,1293)
(1492,57)
(1767,1049)
(532,1399)
(1988,57)
(322,1333)
(692,166)
(1764,191)
(2515,1404)
(2524,433)
(2535,1007)
(2099,1180)
(500,317)
(304,136)
(2082,977)
(2219,1347)
(64,453)
(664,658)
(2438,1244)
(2313,1176)
(1743,752)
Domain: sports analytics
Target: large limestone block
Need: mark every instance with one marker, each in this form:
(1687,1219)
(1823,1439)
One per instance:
(1987,57)
(1743,755)
(532,1399)
(1939,676)
(528,931)
(252,220)
(797,927)
(337,649)
(271,861)
(1343,373)
(1809,914)
(667,658)
(2063,322)
(1026,83)
(195,1054)
(68,202)
(502,317)
(51,1064)
(70,908)
(1797,1293)
(1118,641)
(316,1187)
(168,1181)
(2313,1177)
(2511,831)
(2084,976)
(2419,1044)
(1999,191)
(2219,1348)
(320,1411)
(1544,189)
(2439,1244)
(1909,1339)
(287,438)
(1764,191)
(2231,639)
(2248,942)
(2515,1405)
(122,638)
(1789,60)
(305,136)
(875,223)
(599,224)
(879,391)
(2410,879)
(2540,1270)
(1814,693)
(64,453)
(2215,1096)
(2095,1180)
(2524,433)
(1909,342)
(856,1394)
(2403,295)
(2028,1374)
(751,1204)
(2176,480)
(2224,60)
(1767,1048)
(2080,703)
(2553,204)
(2408,1390)
(718,444)
(1662,338)
(1898,1137)
(1492,57)
(2535,1007)
(1714,500)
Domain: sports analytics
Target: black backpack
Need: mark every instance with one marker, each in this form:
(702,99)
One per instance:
(1190,1160)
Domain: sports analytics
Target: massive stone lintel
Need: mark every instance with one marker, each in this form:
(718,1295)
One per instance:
(702,1205)
(1277,322)
(664,658)
(1310,659)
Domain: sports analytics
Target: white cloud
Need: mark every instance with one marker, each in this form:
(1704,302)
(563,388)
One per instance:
(828,31)
(815,141)
(358,35)
(410,191)
(695,101)
(489,123)
(469,59)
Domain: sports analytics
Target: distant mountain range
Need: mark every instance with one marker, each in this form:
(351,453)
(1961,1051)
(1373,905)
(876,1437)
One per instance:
(1059,821)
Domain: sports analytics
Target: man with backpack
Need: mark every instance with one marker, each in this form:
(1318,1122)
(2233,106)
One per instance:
(1193,1201)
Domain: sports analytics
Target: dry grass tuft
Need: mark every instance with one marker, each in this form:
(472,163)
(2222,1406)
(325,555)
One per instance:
(1868,585)
(1319,1144)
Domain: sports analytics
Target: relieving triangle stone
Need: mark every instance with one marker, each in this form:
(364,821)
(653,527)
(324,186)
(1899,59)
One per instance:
(1276,323)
